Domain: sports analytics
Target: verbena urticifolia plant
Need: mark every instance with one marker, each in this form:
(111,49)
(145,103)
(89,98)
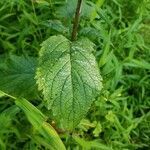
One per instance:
(66,73)
(68,76)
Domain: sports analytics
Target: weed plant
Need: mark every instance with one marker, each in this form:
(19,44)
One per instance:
(120,29)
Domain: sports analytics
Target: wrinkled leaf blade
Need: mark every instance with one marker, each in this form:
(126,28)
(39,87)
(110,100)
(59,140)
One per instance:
(69,77)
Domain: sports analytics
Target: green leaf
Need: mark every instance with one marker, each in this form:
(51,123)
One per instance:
(69,77)
(57,25)
(137,63)
(38,120)
(88,145)
(2,94)
(17,76)
(67,10)
(97,130)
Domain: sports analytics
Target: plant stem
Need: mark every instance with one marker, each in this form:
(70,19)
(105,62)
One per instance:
(76,21)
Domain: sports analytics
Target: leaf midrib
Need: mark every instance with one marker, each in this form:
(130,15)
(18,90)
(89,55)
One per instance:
(71,70)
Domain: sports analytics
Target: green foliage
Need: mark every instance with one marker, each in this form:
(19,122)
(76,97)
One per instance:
(87,145)
(38,120)
(119,119)
(69,77)
(7,127)
(17,76)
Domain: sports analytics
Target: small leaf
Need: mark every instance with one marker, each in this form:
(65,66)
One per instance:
(110,116)
(88,145)
(97,130)
(56,25)
(69,77)
(17,76)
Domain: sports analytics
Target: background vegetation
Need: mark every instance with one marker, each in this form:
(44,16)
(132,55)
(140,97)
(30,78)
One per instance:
(120,30)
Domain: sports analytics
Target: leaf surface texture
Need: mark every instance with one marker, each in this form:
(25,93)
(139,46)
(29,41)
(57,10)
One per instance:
(69,77)
(17,76)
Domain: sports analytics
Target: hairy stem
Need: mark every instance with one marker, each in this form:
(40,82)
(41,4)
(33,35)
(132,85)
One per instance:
(76,21)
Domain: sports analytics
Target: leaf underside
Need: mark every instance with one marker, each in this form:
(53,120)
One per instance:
(69,78)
